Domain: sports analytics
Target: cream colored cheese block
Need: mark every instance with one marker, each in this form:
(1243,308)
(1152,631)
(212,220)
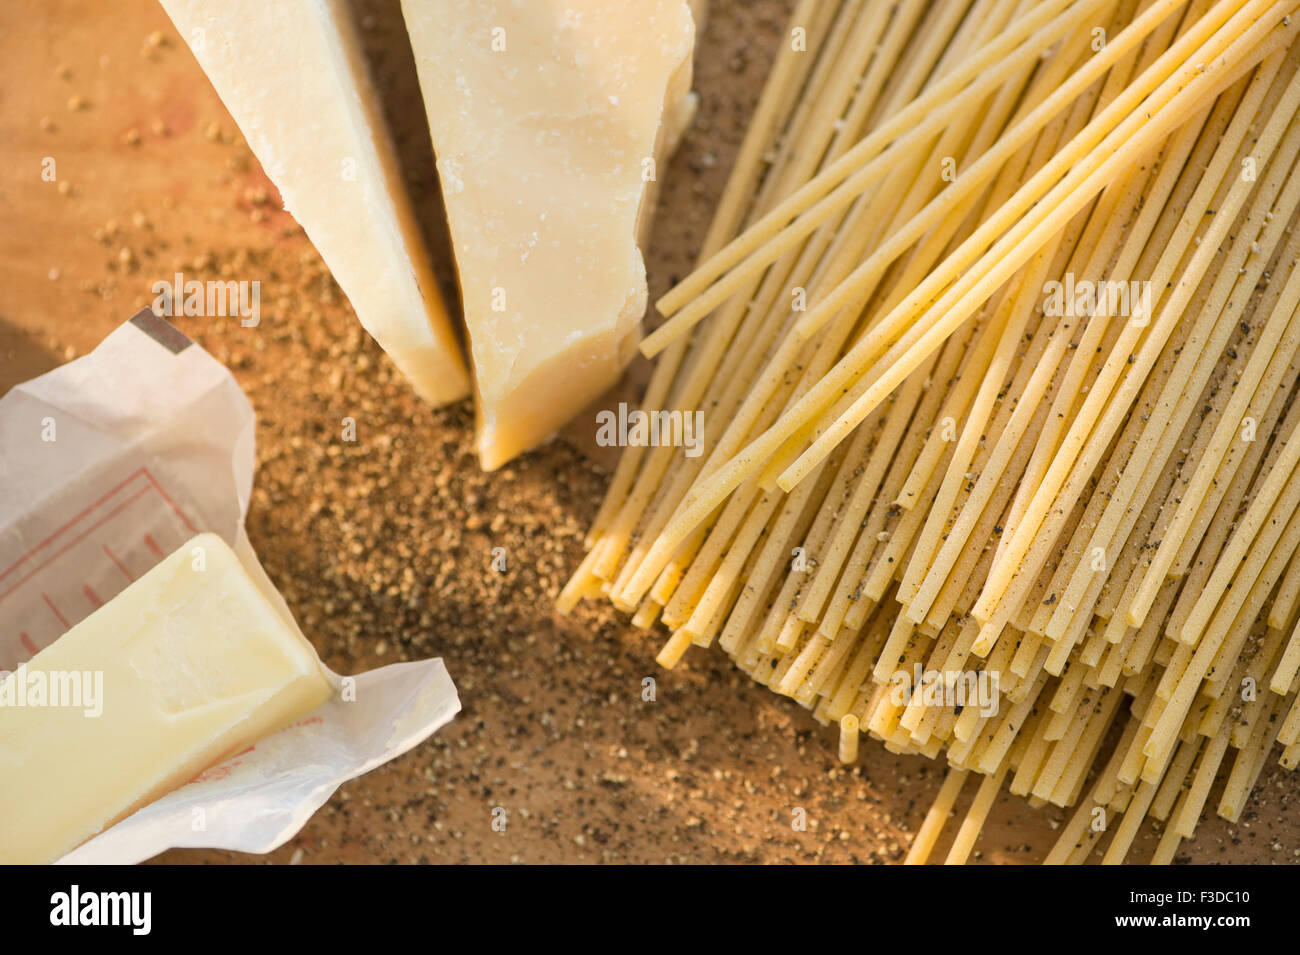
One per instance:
(547,119)
(187,665)
(294,77)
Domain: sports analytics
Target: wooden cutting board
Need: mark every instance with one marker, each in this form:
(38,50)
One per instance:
(381,550)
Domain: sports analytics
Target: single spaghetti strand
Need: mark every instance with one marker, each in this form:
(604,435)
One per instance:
(932,827)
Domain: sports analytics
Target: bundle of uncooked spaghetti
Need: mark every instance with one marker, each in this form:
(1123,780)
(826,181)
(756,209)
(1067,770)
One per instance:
(995,339)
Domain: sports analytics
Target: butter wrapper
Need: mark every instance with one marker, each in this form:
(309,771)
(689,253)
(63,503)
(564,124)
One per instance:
(108,464)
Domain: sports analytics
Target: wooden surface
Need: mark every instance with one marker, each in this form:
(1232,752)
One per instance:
(382,550)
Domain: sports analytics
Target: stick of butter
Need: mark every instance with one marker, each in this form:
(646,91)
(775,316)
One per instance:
(548,120)
(187,665)
(294,77)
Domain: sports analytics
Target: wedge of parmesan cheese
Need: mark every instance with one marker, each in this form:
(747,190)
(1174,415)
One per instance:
(294,77)
(549,121)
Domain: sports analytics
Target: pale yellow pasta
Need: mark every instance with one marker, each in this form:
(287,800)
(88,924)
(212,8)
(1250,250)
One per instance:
(1054,542)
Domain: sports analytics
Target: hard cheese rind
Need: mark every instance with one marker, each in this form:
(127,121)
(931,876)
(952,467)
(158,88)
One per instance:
(293,76)
(546,120)
(196,664)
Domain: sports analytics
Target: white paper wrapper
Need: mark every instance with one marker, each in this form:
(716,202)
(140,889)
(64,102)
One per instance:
(108,464)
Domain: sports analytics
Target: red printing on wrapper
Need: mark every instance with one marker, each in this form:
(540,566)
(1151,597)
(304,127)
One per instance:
(130,527)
